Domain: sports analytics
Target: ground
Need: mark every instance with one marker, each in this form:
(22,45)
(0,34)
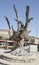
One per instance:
(11,59)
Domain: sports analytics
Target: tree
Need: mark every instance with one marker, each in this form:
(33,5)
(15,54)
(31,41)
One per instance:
(17,36)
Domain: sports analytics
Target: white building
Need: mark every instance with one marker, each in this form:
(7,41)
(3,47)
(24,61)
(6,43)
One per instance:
(32,44)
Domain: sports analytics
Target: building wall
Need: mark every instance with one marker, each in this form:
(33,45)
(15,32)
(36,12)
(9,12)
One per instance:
(33,48)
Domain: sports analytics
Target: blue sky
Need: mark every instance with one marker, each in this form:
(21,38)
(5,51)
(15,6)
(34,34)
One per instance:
(6,9)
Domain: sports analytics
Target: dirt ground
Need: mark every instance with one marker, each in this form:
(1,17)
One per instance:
(29,59)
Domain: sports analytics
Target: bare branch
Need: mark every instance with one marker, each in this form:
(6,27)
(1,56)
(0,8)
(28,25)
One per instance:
(27,11)
(27,16)
(7,21)
(29,32)
(30,19)
(15,11)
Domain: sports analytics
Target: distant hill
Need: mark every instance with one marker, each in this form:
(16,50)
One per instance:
(4,34)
